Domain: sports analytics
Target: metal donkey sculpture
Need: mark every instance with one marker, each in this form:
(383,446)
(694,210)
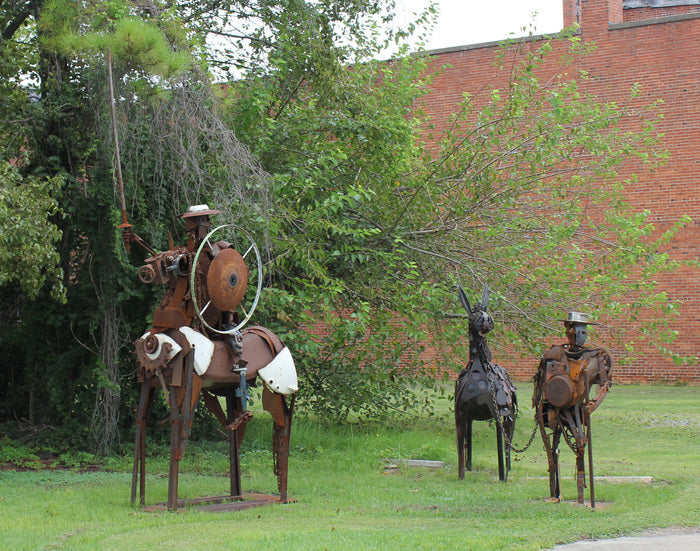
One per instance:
(483,391)
(563,383)
(197,345)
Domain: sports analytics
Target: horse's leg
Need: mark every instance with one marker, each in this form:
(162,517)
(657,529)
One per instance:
(284,438)
(469,442)
(139,471)
(232,407)
(175,437)
(282,423)
(499,447)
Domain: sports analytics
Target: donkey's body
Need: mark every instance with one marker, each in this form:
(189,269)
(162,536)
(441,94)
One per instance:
(483,391)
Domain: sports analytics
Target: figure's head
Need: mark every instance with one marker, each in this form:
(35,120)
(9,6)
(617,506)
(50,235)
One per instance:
(577,328)
(197,220)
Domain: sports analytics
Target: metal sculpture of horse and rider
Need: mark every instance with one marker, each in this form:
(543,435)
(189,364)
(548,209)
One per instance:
(198,345)
(483,391)
(562,402)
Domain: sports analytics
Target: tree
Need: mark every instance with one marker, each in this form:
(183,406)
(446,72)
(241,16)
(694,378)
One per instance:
(522,190)
(364,230)
(27,236)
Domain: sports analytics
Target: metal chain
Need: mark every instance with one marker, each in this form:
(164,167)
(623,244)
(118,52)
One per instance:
(496,409)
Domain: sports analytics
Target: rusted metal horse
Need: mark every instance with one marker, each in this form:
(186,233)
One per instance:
(563,383)
(483,391)
(198,345)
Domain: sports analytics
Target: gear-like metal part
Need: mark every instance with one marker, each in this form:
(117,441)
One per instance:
(147,346)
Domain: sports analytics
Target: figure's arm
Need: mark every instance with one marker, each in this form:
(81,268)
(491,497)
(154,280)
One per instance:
(604,377)
(129,236)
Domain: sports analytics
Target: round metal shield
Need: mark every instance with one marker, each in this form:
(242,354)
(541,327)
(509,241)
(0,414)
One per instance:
(227,279)
(560,391)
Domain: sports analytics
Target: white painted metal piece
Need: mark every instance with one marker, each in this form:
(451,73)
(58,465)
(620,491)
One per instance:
(280,375)
(162,339)
(203,349)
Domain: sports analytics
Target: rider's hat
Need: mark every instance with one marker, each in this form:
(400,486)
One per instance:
(199,210)
(578,317)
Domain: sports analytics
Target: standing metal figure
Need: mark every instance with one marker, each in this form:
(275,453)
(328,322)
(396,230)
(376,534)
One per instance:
(483,391)
(563,382)
(197,344)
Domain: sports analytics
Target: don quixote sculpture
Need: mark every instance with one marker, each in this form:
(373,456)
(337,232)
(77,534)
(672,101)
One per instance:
(198,345)
(563,406)
(483,391)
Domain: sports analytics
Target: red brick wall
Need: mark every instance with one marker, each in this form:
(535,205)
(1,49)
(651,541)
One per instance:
(634,46)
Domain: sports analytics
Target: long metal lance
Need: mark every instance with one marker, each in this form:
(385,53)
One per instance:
(115,135)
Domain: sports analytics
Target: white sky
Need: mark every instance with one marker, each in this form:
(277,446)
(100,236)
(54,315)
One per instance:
(463,22)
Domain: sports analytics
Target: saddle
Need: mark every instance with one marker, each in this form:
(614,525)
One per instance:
(260,346)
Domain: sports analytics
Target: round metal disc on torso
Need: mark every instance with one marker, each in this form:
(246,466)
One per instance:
(227,280)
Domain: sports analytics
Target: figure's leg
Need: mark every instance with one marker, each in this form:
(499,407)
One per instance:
(499,446)
(577,430)
(580,474)
(554,480)
(232,408)
(551,446)
(187,400)
(138,476)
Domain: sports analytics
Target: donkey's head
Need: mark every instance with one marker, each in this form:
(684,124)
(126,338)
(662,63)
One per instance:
(480,322)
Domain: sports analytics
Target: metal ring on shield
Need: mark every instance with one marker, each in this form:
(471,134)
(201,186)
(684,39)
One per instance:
(252,248)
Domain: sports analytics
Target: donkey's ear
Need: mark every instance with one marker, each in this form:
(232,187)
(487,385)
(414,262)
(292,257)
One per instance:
(465,301)
(485,299)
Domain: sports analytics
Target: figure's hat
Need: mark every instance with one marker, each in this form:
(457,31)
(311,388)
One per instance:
(199,210)
(579,317)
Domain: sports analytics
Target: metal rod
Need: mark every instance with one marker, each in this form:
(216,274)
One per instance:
(115,136)
(587,417)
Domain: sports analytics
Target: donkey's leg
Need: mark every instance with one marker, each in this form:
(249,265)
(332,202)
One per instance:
(460,445)
(499,446)
(508,430)
(139,470)
(469,442)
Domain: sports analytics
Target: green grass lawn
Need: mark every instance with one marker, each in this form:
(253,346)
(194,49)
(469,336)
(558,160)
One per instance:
(347,500)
